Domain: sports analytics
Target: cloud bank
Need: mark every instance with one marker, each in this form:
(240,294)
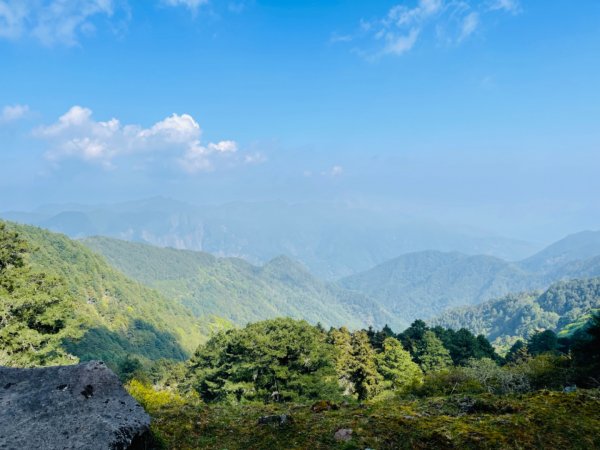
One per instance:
(76,135)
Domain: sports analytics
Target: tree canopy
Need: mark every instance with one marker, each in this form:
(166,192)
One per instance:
(279,359)
(35,309)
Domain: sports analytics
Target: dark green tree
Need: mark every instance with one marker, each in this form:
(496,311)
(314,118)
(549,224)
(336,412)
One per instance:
(365,377)
(586,349)
(377,338)
(518,352)
(131,367)
(431,355)
(464,346)
(12,249)
(542,342)
(273,360)
(413,336)
(486,350)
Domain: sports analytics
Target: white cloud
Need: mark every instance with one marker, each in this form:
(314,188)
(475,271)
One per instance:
(13,112)
(511,6)
(51,21)
(336,171)
(401,15)
(77,135)
(399,31)
(191,4)
(399,44)
(469,26)
(336,37)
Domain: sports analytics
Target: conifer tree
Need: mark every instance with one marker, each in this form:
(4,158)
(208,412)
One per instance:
(518,352)
(431,354)
(542,342)
(365,376)
(396,366)
(341,339)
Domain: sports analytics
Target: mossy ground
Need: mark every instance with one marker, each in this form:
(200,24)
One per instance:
(542,420)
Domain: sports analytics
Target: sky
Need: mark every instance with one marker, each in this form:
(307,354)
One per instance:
(482,112)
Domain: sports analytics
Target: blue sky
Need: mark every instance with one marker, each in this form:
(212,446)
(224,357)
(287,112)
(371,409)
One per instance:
(481,112)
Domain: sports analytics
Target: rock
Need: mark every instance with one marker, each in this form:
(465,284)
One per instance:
(466,405)
(280,420)
(343,435)
(69,407)
(569,389)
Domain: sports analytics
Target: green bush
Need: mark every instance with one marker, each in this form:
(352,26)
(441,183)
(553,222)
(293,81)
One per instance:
(545,371)
(448,382)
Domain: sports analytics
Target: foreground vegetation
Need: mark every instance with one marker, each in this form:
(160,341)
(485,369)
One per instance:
(285,384)
(549,420)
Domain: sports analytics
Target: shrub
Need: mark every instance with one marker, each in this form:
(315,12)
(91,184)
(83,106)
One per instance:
(448,382)
(545,371)
(153,400)
(495,379)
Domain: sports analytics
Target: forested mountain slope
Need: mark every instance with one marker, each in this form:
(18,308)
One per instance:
(239,291)
(420,285)
(118,316)
(423,284)
(520,315)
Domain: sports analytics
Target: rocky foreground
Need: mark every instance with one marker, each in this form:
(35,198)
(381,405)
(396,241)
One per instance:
(82,406)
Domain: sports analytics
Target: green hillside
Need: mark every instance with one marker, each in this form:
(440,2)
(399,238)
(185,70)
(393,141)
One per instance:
(421,285)
(520,315)
(578,325)
(118,316)
(239,291)
(424,284)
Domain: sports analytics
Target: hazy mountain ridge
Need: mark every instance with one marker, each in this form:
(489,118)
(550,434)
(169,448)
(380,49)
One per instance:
(423,284)
(332,240)
(239,291)
(575,247)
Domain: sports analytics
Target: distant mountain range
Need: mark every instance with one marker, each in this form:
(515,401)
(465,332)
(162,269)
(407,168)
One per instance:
(415,285)
(340,264)
(332,240)
(421,285)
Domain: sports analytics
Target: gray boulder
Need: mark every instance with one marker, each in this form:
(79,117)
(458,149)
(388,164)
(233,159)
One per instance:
(69,407)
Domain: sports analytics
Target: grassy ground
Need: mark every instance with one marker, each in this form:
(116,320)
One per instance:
(543,420)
